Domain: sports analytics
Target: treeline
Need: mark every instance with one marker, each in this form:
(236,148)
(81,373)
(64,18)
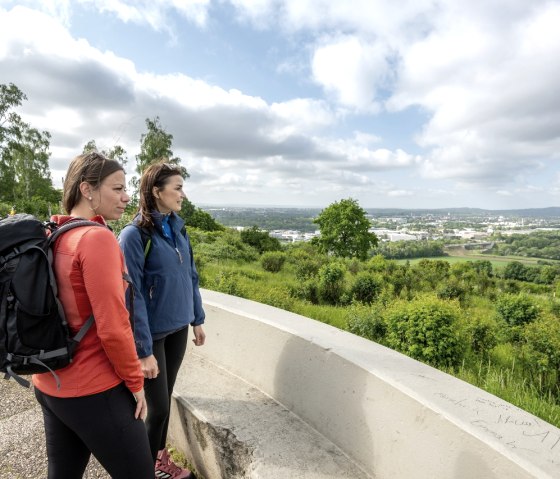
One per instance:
(410,249)
(540,244)
(300,219)
(545,273)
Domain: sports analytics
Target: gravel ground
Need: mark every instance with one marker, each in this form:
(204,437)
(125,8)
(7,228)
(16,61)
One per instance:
(22,441)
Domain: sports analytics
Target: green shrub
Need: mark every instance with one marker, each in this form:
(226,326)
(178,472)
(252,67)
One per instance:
(554,307)
(354,265)
(425,329)
(541,348)
(517,309)
(431,272)
(366,321)
(260,240)
(482,333)
(227,246)
(331,282)
(378,264)
(306,290)
(452,289)
(277,297)
(509,286)
(483,267)
(297,252)
(273,261)
(199,236)
(306,268)
(516,270)
(402,280)
(228,282)
(366,288)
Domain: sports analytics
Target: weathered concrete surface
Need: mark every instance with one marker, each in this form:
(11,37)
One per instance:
(231,430)
(22,437)
(395,417)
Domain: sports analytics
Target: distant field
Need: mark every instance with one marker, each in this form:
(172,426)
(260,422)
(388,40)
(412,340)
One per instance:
(497,261)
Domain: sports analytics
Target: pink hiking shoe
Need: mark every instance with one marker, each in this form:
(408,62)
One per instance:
(167,469)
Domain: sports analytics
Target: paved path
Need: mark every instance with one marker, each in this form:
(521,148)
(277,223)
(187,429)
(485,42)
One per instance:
(22,441)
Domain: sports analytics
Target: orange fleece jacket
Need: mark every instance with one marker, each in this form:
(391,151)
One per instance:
(88,266)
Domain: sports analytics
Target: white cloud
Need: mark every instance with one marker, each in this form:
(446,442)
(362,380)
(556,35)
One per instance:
(483,74)
(301,115)
(490,85)
(555,185)
(158,14)
(231,140)
(352,70)
(400,193)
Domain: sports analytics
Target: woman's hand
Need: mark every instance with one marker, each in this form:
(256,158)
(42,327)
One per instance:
(141,405)
(199,336)
(149,367)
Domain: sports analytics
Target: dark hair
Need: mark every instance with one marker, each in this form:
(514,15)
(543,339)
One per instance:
(93,168)
(156,175)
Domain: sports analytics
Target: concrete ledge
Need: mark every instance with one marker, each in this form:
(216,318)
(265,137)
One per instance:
(232,430)
(392,416)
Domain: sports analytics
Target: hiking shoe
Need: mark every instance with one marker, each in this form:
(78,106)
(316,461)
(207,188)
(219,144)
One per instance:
(166,469)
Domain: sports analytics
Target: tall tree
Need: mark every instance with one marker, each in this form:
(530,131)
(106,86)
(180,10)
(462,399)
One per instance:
(344,230)
(10,97)
(31,164)
(24,155)
(155,144)
(198,218)
(116,153)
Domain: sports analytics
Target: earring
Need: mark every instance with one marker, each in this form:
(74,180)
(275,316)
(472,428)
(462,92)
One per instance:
(89,198)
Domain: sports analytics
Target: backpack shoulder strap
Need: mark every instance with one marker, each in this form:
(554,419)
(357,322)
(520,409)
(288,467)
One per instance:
(146,240)
(69,225)
(57,232)
(146,236)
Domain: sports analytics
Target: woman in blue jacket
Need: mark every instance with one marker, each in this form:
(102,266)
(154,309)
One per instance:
(167,299)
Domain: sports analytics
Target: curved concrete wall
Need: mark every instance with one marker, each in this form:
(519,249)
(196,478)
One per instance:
(396,417)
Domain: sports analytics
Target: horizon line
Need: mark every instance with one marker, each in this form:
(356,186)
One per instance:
(248,205)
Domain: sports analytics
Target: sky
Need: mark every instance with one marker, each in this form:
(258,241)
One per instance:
(395,103)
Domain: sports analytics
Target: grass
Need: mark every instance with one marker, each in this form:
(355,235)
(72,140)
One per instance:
(333,315)
(497,261)
(250,281)
(507,385)
(178,458)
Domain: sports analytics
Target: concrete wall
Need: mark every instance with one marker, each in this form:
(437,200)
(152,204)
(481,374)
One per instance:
(396,417)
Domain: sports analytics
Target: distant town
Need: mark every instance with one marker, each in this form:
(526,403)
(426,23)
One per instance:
(296,224)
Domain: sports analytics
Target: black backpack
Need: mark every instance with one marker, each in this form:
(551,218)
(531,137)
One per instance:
(34,334)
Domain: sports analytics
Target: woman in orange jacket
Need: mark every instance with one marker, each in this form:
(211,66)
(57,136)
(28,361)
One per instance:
(100,405)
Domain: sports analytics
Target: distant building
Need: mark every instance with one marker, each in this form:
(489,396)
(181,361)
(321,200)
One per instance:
(402,237)
(292,236)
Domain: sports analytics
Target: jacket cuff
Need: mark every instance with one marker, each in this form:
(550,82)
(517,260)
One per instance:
(143,352)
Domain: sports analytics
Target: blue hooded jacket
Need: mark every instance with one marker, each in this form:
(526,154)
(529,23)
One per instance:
(167,297)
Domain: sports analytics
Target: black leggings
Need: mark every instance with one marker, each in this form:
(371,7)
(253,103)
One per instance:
(102,424)
(169,353)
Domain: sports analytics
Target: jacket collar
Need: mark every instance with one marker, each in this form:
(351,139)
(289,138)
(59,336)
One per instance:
(175,221)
